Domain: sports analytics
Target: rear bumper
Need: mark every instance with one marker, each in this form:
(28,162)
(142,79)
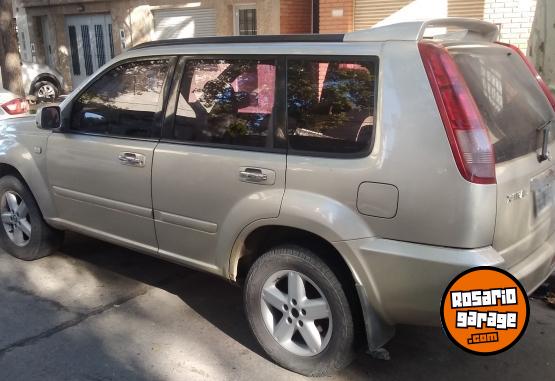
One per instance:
(403,283)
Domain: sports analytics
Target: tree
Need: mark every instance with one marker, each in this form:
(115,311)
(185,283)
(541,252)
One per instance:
(10,61)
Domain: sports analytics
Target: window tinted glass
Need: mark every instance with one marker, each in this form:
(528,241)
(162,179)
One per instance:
(226,102)
(330,105)
(508,96)
(123,102)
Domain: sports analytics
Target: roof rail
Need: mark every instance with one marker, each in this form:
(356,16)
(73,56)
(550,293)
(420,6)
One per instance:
(414,30)
(243,39)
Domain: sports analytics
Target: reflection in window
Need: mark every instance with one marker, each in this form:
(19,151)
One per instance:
(330,105)
(226,102)
(123,102)
(493,87)
(508,97)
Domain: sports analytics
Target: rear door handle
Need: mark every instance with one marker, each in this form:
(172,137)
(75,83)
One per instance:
(257,175)
(253,176)
(132,158)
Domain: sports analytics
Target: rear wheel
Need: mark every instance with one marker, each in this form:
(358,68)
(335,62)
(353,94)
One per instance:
(24,233)
(299,312)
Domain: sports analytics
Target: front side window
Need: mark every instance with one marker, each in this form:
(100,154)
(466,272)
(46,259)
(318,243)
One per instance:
(330,105)
(123,102)
(227,101)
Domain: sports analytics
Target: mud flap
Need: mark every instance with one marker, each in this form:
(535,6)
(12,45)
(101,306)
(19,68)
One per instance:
(378,332)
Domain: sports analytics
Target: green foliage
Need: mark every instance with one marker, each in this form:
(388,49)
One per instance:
(344,91)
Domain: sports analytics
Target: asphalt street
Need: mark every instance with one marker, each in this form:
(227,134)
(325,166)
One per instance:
(96,312)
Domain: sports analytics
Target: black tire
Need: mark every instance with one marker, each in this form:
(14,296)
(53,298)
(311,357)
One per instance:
(340,350)
(43,240)
(42,83)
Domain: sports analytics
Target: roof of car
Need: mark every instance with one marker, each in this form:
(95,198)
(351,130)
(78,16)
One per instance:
(411,31)
(243,40)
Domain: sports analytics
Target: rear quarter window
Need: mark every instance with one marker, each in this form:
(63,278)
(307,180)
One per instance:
(331,105)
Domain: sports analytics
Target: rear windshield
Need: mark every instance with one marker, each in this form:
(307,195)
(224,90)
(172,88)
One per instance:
(508,96)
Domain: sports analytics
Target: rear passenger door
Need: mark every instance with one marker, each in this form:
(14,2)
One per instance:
(220,164)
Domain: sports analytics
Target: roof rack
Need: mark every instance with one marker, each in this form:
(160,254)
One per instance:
(243,39)
(414,30)
(472,29)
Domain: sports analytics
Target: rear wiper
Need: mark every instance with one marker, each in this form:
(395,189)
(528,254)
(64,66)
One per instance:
(546,128)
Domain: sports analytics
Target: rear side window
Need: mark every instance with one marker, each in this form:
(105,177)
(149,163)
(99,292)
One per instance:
(123,102)
(330,105)
(508,96)
(227,102)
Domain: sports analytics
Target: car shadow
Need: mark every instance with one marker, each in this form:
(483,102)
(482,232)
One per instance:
(416,351)
(213,298)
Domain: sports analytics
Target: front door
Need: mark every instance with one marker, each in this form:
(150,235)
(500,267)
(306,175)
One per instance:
(90,44)
(99,168)
(219,168)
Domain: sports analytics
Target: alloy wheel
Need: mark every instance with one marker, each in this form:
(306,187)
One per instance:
(296,313)
(15,218)
(46,92)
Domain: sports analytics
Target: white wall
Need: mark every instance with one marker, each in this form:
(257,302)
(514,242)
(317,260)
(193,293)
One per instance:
(515,17)
(541,48)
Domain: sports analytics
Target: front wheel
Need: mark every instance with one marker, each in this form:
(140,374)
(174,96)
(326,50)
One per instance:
(299,312)
(24,233)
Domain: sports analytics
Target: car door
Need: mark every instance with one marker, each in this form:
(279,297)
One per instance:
(221,162)
(99,167)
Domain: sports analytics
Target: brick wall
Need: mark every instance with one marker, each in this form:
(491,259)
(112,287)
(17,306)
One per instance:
(336,16)
(515,18)
(295,16)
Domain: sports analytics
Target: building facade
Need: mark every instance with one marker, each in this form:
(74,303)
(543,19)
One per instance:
(76,37)
(513,17)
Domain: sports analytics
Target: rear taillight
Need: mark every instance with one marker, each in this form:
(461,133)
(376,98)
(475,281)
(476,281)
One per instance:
(16,106)
(534,72)
(463,122)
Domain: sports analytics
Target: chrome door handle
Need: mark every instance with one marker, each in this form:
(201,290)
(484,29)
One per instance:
(255,176)
(132,158)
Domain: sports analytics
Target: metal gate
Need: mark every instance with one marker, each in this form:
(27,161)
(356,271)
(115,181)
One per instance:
(90,44)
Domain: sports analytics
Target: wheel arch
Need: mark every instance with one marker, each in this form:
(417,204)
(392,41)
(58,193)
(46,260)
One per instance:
(34,180)
(263,238)
(45,77)
(372,330)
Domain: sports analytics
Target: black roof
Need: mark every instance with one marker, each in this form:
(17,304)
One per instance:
(244,39)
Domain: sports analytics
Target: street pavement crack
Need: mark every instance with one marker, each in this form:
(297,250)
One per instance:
(73,322)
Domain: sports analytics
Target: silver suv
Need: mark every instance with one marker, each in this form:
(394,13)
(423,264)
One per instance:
(343,180)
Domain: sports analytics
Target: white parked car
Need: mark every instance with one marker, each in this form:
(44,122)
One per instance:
(11,105)
(41,81)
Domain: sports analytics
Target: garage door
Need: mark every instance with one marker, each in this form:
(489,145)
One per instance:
(184,23)
(369,12)
(466,8)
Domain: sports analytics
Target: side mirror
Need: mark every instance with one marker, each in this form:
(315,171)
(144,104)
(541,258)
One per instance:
(49,117)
